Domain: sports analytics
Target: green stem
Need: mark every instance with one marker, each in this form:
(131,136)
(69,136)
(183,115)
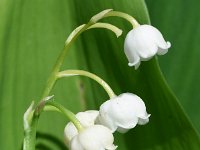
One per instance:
(72,37)
(71,116)
(30,124)
(108,26)
(31,119)
(90,75)
(52,78)
(30,136)
(128,17)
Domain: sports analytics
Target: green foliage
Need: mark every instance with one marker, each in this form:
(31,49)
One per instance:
(179,21)
(33,33)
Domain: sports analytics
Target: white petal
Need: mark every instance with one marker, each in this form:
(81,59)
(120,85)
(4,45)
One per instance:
(95,137)
(158,39)
(144,120)
(123,112)
(142,43)
(87,118)
(111,147)
(132,55)
(122,130)
(75,144)
(138,45)
(105,120)
(163,49)
(135,64)
(69,132)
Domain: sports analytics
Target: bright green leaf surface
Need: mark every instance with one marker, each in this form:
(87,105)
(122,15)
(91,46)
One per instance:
(32,35)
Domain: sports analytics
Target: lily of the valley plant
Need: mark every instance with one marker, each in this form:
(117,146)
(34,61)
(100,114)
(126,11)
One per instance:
(93,129)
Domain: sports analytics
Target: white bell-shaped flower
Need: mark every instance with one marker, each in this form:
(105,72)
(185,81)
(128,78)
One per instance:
(86,119)
(123,113)
(142,43)
(96,137)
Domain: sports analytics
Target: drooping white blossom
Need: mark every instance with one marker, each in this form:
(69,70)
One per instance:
(142,43)
(123,113)
(86,119)
(96,137)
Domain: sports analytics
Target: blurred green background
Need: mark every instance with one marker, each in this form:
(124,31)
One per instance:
(32,33)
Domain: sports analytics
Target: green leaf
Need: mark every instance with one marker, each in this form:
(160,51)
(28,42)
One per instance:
(32,35)
(181,65)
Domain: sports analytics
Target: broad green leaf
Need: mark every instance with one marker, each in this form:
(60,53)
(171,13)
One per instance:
(181,64)
(32,35)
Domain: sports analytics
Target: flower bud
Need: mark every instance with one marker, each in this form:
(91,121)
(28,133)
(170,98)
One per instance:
(142,43)
(123,113)
(86,119)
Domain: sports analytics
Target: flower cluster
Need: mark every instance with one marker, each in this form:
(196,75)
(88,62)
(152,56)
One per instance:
(93,129)
(120,113)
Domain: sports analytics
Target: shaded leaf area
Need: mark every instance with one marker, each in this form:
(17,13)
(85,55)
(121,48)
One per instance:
(46,141)
(33,33)
(179,21)
(53,142)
